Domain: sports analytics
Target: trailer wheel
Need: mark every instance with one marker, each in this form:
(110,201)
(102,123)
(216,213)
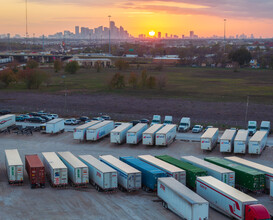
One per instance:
(164,204)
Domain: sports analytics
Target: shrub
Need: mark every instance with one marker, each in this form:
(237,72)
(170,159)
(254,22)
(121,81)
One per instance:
(132,81)
(33,78)
(58,65)
(72,67)
(32,64)
(117,81)
(151,82)
(7,76)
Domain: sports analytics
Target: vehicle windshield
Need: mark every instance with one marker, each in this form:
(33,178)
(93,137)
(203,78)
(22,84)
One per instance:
(196,126)
(251,127)
(264,128)
(155,121)
(183,124)
(168,122)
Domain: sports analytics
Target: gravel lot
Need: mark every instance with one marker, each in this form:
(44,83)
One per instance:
(22,202)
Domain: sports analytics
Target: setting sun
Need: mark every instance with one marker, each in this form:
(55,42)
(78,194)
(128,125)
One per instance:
(151,33)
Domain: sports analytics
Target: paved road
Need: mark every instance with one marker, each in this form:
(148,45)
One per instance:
(188,136)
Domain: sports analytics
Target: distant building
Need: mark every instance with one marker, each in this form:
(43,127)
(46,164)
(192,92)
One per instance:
(191,34)
(159,35)
(77,30)
(166,60)
(91,62)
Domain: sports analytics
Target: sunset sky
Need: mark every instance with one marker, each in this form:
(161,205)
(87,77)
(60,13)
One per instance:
(205,17)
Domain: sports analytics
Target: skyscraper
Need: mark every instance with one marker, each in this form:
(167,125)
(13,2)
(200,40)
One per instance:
(191,34)
(77,30)
(159,35)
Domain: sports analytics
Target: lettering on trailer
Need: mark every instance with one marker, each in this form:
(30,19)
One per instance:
(237,206)
(98,174)
(100,133)
(4,121)
(162,187)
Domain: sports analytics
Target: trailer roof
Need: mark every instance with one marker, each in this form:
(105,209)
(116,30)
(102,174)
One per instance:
(54,161)
(122,127)
(207,164)
(166,129)
(6,116)
(87,125)
(231,191)
(241,135)
(34,160)
(254,165)
(258,136)
(72,159)
(103,123)
(160,163)
(182,190)
(228,134)
(56,120)
(209,133)
(96,163)
(137,127)
(119,164)
(233,166)
(154,128)
(13,157)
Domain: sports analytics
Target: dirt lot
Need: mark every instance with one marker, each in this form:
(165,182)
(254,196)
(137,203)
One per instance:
(122,107)
(49,203)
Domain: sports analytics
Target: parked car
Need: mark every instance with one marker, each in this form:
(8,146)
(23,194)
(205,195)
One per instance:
(98,119)
(209,126)
(36,120)
(52,116)
(45,117)
(71,121)
(26,117)
(135,122)
(117,124)
(42,113)
(4,112)
(34,114)
(83,118)
(106,117)
(19,118)
(197,128)
(144,120)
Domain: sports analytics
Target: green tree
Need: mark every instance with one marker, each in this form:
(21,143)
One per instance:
(122,64)
(7,76)
(117,81)
(33,78)
(151,82)
(32,64)
(241,56)
(133,80)
(58,65)
(72,67)
(144,77)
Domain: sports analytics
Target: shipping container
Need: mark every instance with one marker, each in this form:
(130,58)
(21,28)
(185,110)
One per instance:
(268,171)
(257,143)
(14,166)
(209,139)
(55,126)
(246,178)
(36,171)
(6,121)
(165,135)
(225,175)
(148,136)
(102,176)
(181,200)
(118,135)
(171,170)
(77,170)
(55,169)
(134,135)
(229,200)
(129,178)
(227,141)
(192,172)
(240,142)
(80,131)
(149,173)
(99,131)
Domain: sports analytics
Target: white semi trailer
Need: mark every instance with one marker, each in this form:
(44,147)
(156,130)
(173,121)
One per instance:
(99,131)
(209,139)
(165,135)
(148,136)
(257,143)
(6,121)
(227,141)
(118,135)
(240,142)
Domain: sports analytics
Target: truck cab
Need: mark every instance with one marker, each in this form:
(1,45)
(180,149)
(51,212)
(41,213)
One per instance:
(156,120)
(265,126)
(252,127)
(168,120)
(185,124)
(256,212)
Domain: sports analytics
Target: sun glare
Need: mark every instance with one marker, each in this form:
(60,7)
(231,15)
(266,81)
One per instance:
(151,33)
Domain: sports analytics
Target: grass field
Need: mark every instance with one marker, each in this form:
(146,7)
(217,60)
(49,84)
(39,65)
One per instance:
(203,84)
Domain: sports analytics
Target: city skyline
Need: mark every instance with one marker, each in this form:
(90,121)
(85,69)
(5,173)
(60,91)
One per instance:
(176,17)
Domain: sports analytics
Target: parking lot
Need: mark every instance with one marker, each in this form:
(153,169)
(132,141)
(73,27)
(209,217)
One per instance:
(71,203)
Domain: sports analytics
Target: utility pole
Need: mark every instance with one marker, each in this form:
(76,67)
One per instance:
(247,103)
(225,35)
(109,34)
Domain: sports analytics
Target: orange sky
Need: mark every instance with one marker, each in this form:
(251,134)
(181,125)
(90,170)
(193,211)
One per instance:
(205,17)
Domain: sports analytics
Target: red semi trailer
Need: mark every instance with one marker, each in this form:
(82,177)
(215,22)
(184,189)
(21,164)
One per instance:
(36,171)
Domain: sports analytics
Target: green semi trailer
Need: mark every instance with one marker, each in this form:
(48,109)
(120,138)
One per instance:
(192,172)
(245,178)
